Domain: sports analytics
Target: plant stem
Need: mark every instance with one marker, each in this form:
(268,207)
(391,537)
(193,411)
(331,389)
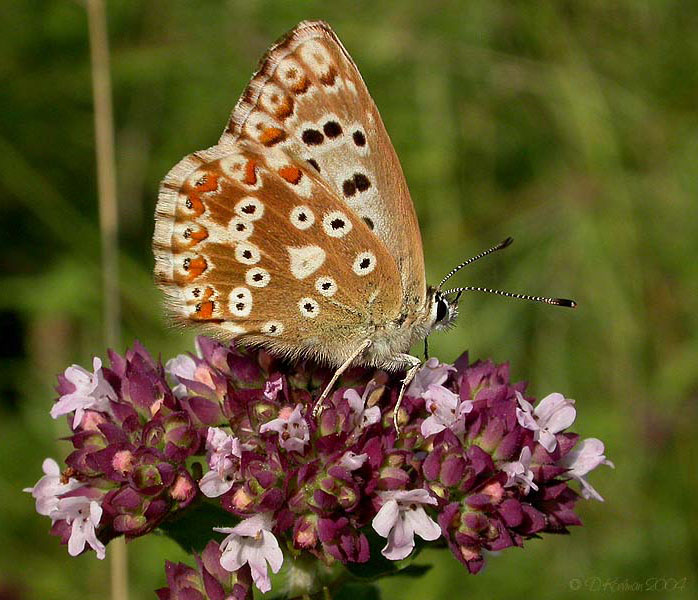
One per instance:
(108,225)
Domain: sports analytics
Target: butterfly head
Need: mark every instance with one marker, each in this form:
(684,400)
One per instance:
(444,310)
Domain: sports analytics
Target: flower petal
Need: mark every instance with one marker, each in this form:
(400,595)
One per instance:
(561,419)
(272,551)
(549,405)
(546,439)
(213,485)
(253,525)
(354,400)
(231,553)
(585,457)
(419,495)
(370,416)
(400,540)
(76,543)
(385,519)
(431,425)
(422,524)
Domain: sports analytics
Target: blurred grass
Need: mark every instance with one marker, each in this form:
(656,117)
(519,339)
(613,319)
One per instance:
(571,126)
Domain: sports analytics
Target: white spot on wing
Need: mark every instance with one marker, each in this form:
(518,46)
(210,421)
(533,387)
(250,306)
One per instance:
(257,277)
(309,307)
(302,217)
(257,123)
(239,229)
(315,55)
(240,301)
(247,253)
(290,72)
(271,97)
(249,208)
(306,260)
(273,328)
(336,224)
(364,263)
(235,165)
(326,286)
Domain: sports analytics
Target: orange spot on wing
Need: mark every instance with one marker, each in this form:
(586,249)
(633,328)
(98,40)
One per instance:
(198,236)
(207,183)
(285,108)
(250,172)
(291,174)
(329,77)
(204,309)
(301,85)
(194,234)
(272,135)
(196,267)
(194,204)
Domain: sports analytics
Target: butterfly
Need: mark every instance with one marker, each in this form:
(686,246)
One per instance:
(296,231)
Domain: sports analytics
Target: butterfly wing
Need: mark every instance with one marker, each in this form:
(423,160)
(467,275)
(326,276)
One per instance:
(309,99)
(296,231)
(249,244)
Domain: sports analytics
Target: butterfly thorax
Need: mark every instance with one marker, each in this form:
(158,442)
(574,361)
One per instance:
(413,325)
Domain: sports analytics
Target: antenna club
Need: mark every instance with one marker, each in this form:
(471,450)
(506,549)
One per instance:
(553,301)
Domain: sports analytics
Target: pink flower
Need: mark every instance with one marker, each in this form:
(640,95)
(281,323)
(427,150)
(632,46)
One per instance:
(223,460)
(432,373)
(84,515)
(252,542)
(293,431)
(583,459)
(519,471)
(400,517)
(272,387)
(92,392)
(185,367)
(553,414)
(363,416)
(351,461)
(446,409)
(49,487)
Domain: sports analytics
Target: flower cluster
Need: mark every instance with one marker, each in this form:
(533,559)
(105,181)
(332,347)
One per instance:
(474,465)
(208,580)
(131,438)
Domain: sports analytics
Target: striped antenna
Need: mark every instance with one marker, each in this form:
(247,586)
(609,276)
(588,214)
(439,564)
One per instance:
(555,301)
(503,244)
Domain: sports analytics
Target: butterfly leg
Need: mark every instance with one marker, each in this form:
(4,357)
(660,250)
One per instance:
(413,364)
(317,409)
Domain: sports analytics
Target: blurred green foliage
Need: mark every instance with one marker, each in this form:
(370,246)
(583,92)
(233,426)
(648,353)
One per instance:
(572,126)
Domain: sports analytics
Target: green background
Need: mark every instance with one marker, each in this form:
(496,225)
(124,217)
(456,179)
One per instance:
(571,126)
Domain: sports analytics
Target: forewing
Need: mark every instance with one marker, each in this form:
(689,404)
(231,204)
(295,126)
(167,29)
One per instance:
(309,100)
(251,244)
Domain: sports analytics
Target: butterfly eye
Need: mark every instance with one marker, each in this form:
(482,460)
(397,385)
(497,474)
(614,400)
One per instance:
(441,310)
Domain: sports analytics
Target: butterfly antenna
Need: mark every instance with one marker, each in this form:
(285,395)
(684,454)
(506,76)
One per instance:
(503,244)
(554,301)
